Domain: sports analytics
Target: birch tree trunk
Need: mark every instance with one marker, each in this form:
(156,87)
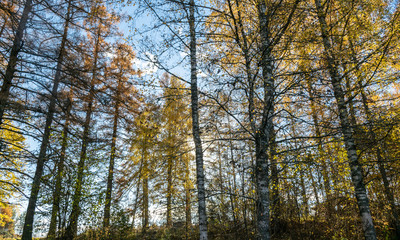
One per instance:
(196,128)
(355,166)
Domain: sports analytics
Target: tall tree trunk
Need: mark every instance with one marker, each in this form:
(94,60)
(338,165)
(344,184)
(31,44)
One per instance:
(30,212)
(72,228)
(110,177)
(9,75)
(263,136)
(59,176)
(355,166)
(196,128)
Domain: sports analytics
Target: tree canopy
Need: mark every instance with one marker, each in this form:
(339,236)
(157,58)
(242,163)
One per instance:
(183,119)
